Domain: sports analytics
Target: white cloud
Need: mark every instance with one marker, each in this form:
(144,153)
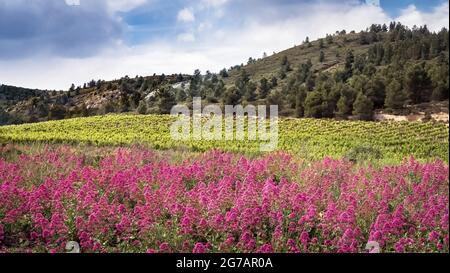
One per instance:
(436,19)
(214,3)
(220,46)
(186,37)
(186,15)
(124,5)
(203,26)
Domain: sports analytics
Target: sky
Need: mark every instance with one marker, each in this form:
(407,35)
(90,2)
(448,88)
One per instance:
(50,44)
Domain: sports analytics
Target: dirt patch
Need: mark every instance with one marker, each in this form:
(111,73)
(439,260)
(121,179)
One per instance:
(442,117)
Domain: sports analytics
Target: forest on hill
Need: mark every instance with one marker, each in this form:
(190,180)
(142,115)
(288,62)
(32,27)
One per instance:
(344,75)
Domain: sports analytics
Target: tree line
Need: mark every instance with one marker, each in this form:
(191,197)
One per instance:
(399,66)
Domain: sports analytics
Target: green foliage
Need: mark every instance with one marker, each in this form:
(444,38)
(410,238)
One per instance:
(322,56)
(4,117)
(311,138)
(313,105)
(383,63)
(418,84)
(166,100)
(231,97)
(299,102)
(56,112)
(285,67)
(264,88)
(346,100)
(363,153)
(142,108)
(396,97)
(363,107)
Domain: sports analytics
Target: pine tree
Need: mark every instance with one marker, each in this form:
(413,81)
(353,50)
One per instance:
(276,98)
(344,106)
(321,44)
(363,107)
(231,96)
(250,91)
(274,82)
(166,101)
(300,101)
(440,92)
(346,100)
(313,105)
(264,88)
(418,84)
(224,73)
(329,39)
(348,68)
(396,97)
(376,92)
(142,108)
(322,56)
(219,89)
(285,67)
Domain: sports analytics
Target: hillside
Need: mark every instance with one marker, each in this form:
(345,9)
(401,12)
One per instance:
(20,105)
(393,69)
(385,69)
(268,67)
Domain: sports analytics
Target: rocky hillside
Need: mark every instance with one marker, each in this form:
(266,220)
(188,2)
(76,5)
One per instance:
(386,69)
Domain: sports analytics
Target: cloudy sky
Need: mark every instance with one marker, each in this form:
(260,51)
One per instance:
(49,44)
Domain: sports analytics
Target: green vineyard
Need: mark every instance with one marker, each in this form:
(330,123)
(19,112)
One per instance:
(306,138)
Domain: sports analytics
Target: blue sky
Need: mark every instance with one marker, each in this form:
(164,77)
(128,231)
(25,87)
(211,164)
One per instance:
(394,7)
(49,44)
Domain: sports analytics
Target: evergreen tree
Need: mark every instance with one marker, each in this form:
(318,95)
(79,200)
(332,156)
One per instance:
(300,102)
(166,101)
(396,97)
(124,102)
(219,89)
(276,98)
(322,56)
(376,92)
(313,105)
(142,108)
(363,38)
(274,82)
(264,88)
(418,84)
(321,44)
(440,92)
(250,91)
(329,39)
(56,112)
(4,117)
(231,96)
(224,73)
(363,107)
(285,67)
(439,77)
(346,100)
(347,73)
(195,84)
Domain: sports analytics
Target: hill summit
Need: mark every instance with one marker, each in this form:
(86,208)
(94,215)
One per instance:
(343,75)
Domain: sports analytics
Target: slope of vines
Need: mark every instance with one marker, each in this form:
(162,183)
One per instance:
(309,138)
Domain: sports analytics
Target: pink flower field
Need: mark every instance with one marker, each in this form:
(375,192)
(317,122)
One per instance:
(138,200)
